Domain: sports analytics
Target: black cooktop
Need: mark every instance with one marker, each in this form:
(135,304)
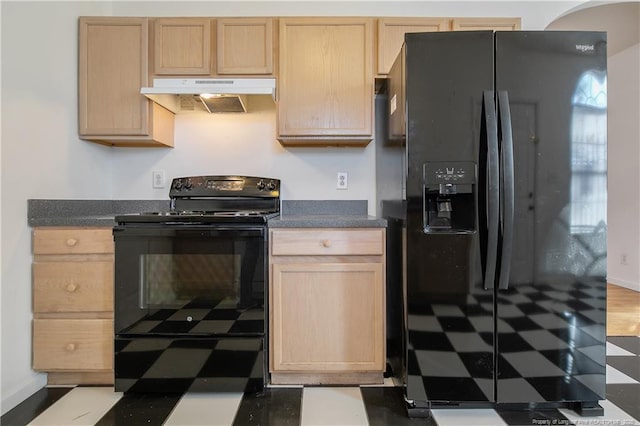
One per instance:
(191,217)
(215,199)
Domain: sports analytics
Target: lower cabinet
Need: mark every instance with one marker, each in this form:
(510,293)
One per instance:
(327,306)
(72,344)
(72,277)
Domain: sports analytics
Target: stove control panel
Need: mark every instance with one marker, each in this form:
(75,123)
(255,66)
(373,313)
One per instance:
(224,186)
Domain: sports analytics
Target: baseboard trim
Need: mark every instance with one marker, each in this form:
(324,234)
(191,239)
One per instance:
(25,391)
(624,283)
(318,378)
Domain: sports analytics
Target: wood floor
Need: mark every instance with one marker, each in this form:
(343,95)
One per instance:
(623,311)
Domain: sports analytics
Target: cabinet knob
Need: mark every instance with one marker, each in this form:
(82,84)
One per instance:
(72,242)
(326,243)
(71,287)
(70,347)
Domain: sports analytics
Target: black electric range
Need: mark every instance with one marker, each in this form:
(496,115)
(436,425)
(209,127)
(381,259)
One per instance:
(191,288)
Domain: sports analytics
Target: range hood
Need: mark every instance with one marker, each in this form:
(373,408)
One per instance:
(208,94)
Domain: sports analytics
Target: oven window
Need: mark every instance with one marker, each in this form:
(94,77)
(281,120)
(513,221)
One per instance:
(174,280)
(189,281)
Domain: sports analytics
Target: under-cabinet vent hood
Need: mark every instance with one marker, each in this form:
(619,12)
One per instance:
(208,94)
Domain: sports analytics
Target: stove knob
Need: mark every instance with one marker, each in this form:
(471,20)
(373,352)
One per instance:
(261,185)
(188,185)
(177,185)
(271,185)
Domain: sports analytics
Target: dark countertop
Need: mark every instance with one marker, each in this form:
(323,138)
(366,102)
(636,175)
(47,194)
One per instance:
(327,221)
(294,214)
(326,214)
(86,212)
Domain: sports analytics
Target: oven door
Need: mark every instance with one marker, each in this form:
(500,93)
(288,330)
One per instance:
(189,309)
(189,280)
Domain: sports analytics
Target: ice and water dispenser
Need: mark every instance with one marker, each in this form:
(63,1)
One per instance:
(445,261)
(449,196)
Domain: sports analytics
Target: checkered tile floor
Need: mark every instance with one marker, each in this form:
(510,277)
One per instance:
(376,406)
(550,341)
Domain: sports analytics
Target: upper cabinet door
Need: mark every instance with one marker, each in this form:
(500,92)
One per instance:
(391,33)
(245,46)
(475,24)
(182,46)
(112,67)
(325,84)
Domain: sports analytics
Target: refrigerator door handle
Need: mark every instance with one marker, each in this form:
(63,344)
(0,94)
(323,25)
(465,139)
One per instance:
(508,189)
(492,188)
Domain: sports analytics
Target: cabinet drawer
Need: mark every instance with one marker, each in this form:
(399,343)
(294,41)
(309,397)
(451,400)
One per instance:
(73,286)
(331,241)
(72,344)
(72,240)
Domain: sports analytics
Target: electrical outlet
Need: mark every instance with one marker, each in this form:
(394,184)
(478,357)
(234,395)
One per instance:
(343,180)
(158,179)
(623,259)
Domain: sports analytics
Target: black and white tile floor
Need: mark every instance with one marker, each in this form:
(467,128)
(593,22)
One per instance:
(377,405)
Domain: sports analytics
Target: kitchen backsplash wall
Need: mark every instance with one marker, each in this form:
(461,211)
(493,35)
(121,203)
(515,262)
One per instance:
(245,143)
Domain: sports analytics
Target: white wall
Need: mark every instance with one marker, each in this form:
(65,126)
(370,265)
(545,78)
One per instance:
(245,144)
(622,23)
(43,158)
(624,173)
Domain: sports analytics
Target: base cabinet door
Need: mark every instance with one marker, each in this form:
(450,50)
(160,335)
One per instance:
(330,317)
(327,308)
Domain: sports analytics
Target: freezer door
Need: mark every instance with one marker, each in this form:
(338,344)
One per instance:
(449,312)
(551,303)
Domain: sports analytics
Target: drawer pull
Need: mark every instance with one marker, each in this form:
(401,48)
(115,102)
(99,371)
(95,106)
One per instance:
(71,287)
(326,243)
(71,242)
(70,347)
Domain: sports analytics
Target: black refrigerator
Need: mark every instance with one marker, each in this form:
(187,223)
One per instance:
(497,224)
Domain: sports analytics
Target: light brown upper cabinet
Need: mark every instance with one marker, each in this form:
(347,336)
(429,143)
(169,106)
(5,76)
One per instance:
(112,57)
(325,84)
(391,33)
(245,46)
(474,24)
(212,47)
(182,46)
